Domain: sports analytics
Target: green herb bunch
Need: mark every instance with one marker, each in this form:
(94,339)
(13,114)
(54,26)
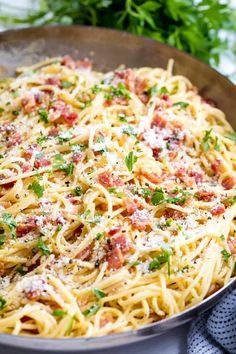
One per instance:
(190,25)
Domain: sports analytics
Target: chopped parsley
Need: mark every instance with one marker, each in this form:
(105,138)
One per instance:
(133,264)
(130,160)
(206,140)
(99,293)
(226,255)
(155,90)
(159,197)
(42,247)
(216,144)
(66,84)
(100,139)
(59,313)
(2,303)
(160,260)
(78,191)
(99,236)
(181,104)
(122,118)
(222,237)
(59,227)
(129,130)
(92,310)
(119,91)
(61,164)
(43,115)
(41,139)
(10,222)
(2,240)
(144,192)
(21,270)
(37,188)
(2,110)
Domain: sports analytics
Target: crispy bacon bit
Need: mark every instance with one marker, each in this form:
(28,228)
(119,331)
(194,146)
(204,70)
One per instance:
(114,231)
(152,177)
(53,131)
(26,227)
(54,81)
(2,268)
(218,210)
(14,139)
(197,176)
(28,103)
(140,219)
(232,244)
(156,153)
(108,180)
(122,243)
(26,167)
(77,156)
(42,162)
(85,254)
(63,112)
(173,214)
(172,155)
(30,151)
(115,259)
(116,100)
(229,182)
(217,167)
(158,120)
(78,231)
(131,205)
(205,196)
(213,289)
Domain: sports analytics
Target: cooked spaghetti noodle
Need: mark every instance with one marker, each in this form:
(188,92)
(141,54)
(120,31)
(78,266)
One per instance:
(117,199)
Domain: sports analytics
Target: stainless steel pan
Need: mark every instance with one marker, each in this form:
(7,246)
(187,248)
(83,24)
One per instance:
(108,49)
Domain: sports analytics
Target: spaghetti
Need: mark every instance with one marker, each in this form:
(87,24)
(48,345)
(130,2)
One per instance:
(117,199)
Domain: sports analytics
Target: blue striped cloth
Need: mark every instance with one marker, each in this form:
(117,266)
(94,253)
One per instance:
(214,332)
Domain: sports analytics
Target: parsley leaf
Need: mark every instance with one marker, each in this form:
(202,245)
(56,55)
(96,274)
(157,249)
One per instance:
(99,293)
(158,197)
(226,255)
(129,130)
(206,140)
(78,191)
(181,104)
(42,247)
(59,313)
(66,84)
(2,303)
(60,164)
(37,188)
(10,222)
(160,260)
(43,115)
(92,310)
(130,160)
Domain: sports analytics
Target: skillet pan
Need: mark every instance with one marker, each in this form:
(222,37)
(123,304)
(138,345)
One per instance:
(108,49)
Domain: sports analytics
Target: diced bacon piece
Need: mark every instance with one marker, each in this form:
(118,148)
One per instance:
(115,259)
(25,228)
(156,153)
(53,132)
(229,182)
(217,167)
(26,167)
(2,268)
(38,163)
(172,155)
(205,196)
(85,254)
(140,219)
(197,176)
(158,120)
(152,177)
(232,244)
(77,157)
(213,289)
(107,318)
(63,112)
(30,151)
(108,180)
(14,139)
(116,100)
(84,64)
(77,232)
(166,98)
(114,231)
(218,210)
(173,214)
(28,103)
(131,205)
(54,81)
(122,243)
(68,62)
